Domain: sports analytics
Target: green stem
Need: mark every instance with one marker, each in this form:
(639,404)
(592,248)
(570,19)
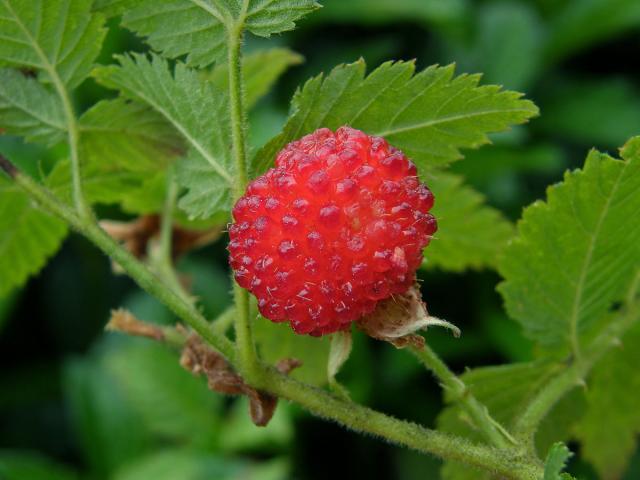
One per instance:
(81,205)
(222,323)
(163,258)
(493,432)
(508,463)
(166,223)
(247,357)
(138,271)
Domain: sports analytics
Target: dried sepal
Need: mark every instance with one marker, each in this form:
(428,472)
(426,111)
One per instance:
(397,319)
(199,359)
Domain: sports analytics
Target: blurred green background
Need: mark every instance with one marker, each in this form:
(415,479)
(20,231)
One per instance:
(78,403)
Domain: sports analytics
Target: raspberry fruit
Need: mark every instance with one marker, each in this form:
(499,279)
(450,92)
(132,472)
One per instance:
(337,226)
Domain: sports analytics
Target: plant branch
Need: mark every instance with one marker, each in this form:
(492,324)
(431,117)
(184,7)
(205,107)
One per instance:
(507,463)
(577,371)
(493,431)
(135,269)
(244,336)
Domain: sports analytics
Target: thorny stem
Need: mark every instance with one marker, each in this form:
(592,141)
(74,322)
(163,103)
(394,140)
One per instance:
(244,336)
(493,432)
(507,463)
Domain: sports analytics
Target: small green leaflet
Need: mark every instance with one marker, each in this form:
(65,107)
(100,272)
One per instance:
(429,115)
(200,28)
(576,253)
(556,461)
(29,109)
(198,111)
(470,234)
(260,70)
(59,37)
(608,432)
(28,236)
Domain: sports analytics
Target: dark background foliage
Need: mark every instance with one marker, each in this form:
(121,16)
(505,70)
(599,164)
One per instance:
(101,404)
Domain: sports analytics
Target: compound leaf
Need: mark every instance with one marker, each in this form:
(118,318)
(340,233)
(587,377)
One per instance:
(577,253)
(429,115)
(29,109)
(470,233)
(200,28)
(198,111)
(60,37)
(28,236)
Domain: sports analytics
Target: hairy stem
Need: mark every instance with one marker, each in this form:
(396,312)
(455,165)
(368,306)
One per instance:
(150,282)
(244,336)
(507,463)
(163,259)
(493,432)
(81,205)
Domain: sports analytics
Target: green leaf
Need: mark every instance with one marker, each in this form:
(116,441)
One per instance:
(430,115)
(277,341)
(584,22)
(470,233)
(575,110)
(200,28)
(242,435)
(198,111)
(106,184)
(183,464)
(189,465)
(608,432)
(128,134)
(28,236)
(173,403)
(109,431)
(111,8)
(384,12)
(576,253)
(506,390)
(556,461)
(16,465)
(29,109)
(60,37)
(260,72)
(509,42)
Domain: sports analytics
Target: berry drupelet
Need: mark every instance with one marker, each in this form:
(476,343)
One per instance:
(337,226)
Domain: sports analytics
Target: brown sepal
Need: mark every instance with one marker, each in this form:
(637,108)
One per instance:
(199,359)
(397,319)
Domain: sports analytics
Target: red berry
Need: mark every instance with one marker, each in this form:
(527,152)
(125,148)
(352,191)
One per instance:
(337,226)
